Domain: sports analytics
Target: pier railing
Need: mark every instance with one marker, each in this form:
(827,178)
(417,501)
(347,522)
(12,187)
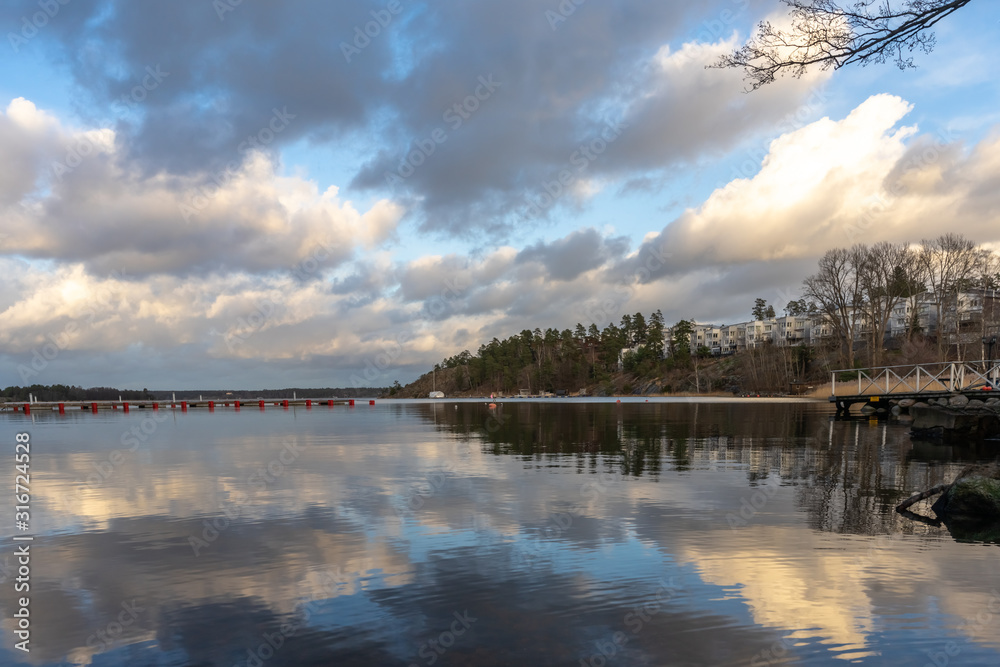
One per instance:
(952,376)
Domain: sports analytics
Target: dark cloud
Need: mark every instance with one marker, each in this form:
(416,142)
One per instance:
(579,252)
(494,101)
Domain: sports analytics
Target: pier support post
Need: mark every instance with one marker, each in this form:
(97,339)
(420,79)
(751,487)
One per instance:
(351,403)
(284,403)
(62,408)
(371,402)
(261,405)
(211,406)
(329,403)
(93,408)
(125,407)
(184,406)
(27,408)
(309,403)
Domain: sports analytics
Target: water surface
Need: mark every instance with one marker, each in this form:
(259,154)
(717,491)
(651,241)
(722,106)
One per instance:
(561,533)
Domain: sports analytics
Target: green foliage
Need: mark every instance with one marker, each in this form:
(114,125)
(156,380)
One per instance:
(761,311)
(801,308)
(681,342)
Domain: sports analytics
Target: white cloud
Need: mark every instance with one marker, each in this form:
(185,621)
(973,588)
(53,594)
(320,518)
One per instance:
(75,196)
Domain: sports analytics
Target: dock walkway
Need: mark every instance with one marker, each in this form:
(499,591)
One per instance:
(919,382)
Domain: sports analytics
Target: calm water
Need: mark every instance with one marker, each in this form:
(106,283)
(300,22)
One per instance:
(448,534)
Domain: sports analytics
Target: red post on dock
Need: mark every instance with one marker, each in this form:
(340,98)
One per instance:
(156,406)
(125,406)
(309,403)
(27,408)
(184,406)
(351,403)
(371,402)
(93,408)
(330,403)
(211,406)
(284,403)
(237,405)
(17,409)
(262,405)
(62,408)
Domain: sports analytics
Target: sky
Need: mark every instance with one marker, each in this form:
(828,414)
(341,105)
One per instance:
(223,194)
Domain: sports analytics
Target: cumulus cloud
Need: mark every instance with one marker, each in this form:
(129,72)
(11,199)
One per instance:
(77,198)
(813,190)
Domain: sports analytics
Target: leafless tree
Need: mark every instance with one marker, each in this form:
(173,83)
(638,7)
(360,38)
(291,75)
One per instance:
(837,289)
(883,274)
(825,34)
(948,261)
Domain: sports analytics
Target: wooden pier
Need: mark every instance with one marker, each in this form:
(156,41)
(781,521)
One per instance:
(975,379)
(182,406)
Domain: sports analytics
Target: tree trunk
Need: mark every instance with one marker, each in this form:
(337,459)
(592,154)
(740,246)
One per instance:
(933,491)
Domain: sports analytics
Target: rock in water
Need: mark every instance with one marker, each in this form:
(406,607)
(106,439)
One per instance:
(950,424)
(975,495)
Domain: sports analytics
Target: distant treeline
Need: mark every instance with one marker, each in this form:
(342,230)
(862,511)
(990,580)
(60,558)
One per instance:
(61,392)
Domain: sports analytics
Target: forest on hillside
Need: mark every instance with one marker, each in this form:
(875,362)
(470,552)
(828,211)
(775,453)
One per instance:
(552,359)
(571,359)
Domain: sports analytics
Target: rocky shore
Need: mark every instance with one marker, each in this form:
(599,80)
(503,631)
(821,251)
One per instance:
(954,417)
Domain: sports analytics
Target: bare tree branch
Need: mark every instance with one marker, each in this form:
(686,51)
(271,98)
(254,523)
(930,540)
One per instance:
(827,35)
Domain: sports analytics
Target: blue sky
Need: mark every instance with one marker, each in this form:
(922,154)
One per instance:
(146,242)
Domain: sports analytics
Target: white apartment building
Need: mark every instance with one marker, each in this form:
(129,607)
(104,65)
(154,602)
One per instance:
(966,313)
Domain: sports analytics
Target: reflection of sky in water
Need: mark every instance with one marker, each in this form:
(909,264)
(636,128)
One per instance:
(552,527)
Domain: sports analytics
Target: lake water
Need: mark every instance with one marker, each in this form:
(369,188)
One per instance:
(444,533)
